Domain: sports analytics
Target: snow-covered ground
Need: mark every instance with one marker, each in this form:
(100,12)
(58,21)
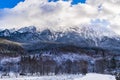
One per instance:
(90,76)
(93,76)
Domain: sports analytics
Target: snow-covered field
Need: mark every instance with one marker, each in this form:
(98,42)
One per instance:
(90,76)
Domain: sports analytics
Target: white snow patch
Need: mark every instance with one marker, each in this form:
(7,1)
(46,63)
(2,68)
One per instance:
(14,60)
(89,76)
(72,57)
(94,76)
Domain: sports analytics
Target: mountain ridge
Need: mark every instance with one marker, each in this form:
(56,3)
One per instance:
(86,36)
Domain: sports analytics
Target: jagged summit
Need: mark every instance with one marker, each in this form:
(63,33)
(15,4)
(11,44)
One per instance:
(31,29)
(94,31)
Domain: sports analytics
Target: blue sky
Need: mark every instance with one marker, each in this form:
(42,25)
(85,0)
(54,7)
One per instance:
(8,3)
(12,3)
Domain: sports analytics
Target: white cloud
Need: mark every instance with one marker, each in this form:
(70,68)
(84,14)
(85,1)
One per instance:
(44,14)
(110,11)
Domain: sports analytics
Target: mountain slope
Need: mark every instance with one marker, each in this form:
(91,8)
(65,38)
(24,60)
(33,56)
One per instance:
(10,48)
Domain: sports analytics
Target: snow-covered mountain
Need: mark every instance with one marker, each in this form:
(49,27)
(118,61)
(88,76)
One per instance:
(86,35)
(74,50)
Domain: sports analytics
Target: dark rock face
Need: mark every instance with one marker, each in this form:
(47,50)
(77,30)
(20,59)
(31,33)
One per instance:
(5,32)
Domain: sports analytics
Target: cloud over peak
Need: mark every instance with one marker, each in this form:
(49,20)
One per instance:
(54,15)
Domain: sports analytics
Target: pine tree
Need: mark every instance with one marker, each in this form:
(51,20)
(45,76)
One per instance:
(113,63)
